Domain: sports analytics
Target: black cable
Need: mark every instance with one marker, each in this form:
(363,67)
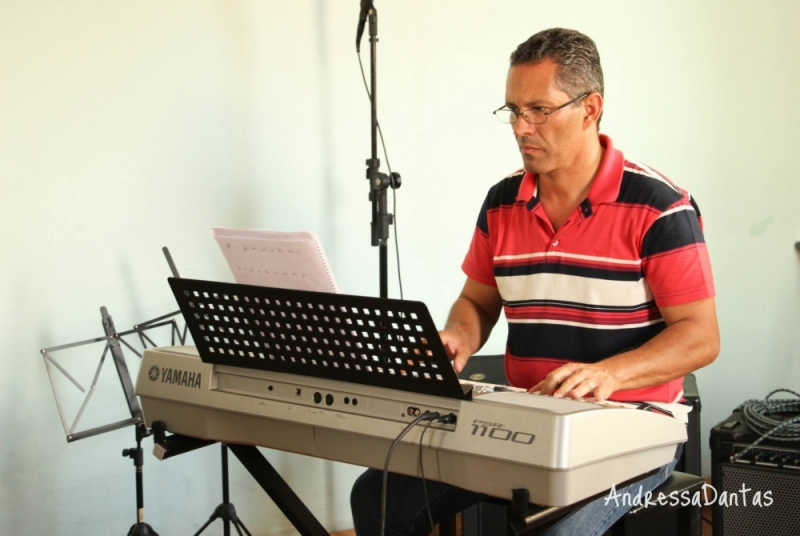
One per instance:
(707,521)
(447,419)
(424,417)
(391,178)
(755,416)
(422,472)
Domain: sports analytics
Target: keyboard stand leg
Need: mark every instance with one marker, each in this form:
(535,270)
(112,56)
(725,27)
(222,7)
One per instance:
(278,490)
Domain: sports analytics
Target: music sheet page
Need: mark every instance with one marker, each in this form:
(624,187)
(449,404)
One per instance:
(276,259)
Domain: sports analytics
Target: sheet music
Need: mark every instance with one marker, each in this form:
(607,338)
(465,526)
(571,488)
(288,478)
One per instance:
(275,259)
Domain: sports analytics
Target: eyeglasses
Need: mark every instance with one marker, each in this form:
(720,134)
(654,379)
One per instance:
(535,116)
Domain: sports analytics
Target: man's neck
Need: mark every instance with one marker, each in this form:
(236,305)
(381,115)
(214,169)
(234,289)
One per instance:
(561,191)
(570,185)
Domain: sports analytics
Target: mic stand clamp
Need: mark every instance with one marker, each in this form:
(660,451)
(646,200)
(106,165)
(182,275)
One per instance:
(378,184)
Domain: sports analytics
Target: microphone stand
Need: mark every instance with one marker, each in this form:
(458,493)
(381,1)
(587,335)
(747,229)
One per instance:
(378,182)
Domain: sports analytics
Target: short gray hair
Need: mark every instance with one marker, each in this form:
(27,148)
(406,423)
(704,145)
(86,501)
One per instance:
(576,54)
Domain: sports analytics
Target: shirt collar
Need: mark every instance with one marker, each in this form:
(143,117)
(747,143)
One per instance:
(604,189)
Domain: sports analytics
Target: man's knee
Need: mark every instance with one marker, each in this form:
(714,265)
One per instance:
(366,486)
(365,497)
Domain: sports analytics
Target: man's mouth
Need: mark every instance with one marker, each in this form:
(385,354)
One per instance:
(529,149)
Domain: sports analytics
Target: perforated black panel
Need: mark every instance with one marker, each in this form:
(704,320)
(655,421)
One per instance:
(372,341)
(743,518)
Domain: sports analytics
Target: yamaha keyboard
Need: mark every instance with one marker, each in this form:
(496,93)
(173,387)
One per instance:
(560,450)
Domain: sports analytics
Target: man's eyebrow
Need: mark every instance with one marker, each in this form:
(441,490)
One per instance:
(531,104)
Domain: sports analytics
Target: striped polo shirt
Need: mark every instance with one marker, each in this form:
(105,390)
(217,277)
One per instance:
(593,288)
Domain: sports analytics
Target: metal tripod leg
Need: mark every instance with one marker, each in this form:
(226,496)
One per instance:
(225,511)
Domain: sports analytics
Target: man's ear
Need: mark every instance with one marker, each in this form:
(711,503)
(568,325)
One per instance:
(593,108)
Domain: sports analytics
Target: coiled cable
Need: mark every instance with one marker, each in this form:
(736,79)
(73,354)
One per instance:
(757,415)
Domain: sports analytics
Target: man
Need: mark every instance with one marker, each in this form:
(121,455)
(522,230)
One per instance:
(598,261)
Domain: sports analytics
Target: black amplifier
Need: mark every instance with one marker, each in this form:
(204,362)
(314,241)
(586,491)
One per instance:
(759,493)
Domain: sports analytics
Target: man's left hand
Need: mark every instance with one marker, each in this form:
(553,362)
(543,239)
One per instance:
(578,380)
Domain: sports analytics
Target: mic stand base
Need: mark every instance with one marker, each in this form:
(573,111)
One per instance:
(142,529)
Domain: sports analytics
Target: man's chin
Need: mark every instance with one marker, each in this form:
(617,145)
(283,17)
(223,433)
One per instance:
(537,164)
(532,166)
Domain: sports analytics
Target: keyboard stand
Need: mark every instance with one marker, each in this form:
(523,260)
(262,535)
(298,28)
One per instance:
(259,468)
(278,490)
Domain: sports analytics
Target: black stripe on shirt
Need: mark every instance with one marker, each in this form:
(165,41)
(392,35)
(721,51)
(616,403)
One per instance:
(581,306)
(672,231)
(694,205)
(502,193)
(587,345)
(568,269)
(638,189)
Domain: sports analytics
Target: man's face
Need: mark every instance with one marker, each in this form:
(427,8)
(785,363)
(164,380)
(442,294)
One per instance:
(552,145)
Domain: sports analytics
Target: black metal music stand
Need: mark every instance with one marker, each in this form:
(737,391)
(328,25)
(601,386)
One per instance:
(372,341)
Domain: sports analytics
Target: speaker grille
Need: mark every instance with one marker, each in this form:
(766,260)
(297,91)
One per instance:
(782,518)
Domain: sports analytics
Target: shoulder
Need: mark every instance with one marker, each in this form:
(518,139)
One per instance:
(505,191)
(642,185)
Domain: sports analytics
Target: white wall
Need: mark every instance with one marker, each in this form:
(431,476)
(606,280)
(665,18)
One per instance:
(127,126)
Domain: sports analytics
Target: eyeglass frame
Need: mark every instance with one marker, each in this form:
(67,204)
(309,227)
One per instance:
(546,114)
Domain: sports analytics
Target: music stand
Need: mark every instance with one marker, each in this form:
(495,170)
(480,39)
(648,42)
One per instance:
(372,341)
(113,345)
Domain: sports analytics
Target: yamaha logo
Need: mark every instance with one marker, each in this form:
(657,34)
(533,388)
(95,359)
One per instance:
(172,376)
(153,373)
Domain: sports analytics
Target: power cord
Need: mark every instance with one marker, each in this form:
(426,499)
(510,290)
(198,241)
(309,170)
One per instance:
(755,416)
(426,416)
(391,178)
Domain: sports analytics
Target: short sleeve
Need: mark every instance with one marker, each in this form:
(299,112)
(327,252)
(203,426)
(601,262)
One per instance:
(675,259)
(479,262)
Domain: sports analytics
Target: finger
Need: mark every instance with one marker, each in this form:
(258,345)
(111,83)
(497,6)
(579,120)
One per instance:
(449,343)
(451,347)
(460,360)
(603,392)
(570,383)
(582,389)
(555,379)
(536,388)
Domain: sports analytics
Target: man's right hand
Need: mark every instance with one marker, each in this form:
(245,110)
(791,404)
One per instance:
(471,319)
(456,349)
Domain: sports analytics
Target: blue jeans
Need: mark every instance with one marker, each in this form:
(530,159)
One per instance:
(407,515)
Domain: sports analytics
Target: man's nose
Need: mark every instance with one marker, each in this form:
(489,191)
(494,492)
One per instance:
(522,127)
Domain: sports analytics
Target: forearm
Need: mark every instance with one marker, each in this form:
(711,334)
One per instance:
(470,323)
(681,348)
